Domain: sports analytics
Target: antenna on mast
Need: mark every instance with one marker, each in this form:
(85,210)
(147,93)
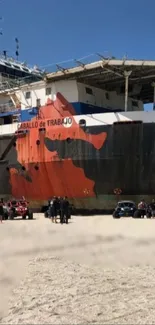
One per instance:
(5,54)
(1,30)
(17,48)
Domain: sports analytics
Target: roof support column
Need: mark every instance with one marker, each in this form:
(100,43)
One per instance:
(126,75)
(153,85)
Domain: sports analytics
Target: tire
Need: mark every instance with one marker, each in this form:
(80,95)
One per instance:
(148,215)
(137,214)
(30,215)
(11,216)
(116,216)
(24,217)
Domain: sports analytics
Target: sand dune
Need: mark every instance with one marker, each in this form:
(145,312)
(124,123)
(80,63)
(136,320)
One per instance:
(95,269)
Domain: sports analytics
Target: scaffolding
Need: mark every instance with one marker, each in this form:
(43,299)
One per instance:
(8,88)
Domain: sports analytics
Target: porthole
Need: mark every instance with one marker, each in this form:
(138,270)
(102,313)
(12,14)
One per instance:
(38,142)
(82,122)
(69,140)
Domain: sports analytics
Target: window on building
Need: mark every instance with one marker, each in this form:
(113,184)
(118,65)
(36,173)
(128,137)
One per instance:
(89,91)
(28,94)
(107,96)
(38,102)
(48,91)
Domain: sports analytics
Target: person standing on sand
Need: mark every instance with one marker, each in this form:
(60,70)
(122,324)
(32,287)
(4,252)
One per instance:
(64,208)
(61,211)
(142,207)
(58,206)
(51,209)
(1,209)
(55,208)
(152,206)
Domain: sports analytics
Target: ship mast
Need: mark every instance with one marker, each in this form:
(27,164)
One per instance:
(4,52)
(17,48)
(1,31)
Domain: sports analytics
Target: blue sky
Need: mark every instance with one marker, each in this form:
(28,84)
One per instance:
(51,31)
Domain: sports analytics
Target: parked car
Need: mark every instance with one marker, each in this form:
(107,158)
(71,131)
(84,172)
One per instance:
(124,209)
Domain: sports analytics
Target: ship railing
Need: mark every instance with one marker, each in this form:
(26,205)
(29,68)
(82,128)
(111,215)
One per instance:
(20,64)
(7,107)
(12,60)
(16,82)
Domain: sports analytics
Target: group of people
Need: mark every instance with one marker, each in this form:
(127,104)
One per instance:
(59,206)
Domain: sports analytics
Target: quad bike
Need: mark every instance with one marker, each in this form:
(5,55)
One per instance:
(140,213)
(18,208)
(150,212)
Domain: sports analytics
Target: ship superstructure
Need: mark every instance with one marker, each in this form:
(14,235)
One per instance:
(80,88)
(83,132)
(13,75)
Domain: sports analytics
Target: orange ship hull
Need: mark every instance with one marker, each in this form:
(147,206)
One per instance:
(42,171)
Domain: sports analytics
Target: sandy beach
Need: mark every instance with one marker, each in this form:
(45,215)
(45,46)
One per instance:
(93,270)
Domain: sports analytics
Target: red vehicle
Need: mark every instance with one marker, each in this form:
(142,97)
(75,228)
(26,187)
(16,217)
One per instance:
(18,208)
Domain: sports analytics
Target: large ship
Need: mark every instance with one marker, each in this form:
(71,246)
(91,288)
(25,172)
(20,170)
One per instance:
(81,132)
